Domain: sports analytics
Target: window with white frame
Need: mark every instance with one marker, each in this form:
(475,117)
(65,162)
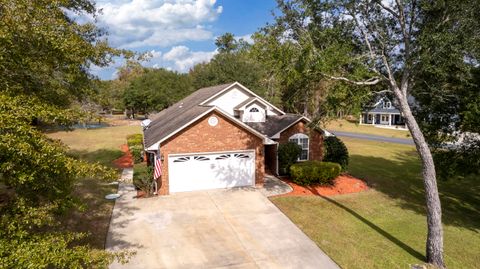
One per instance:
(302,141)
(387,104)
(254,109)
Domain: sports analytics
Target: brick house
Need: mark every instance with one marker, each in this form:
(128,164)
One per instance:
(224,136)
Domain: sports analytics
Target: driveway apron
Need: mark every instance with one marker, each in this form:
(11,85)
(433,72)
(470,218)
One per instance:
(228,228)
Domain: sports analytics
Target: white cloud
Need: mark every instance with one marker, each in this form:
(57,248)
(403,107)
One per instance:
(181,58)
(247,38)
(178,58)
(137,23)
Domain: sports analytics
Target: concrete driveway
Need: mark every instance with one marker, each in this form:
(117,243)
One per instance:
(234,228)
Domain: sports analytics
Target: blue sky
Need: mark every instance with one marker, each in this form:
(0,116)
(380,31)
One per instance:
(177,33)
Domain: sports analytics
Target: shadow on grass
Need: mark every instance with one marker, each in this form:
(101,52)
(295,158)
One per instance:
(379,230)
(102,156)
(401,179)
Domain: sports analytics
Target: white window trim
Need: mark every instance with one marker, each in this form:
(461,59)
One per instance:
(297,137)
(387,104)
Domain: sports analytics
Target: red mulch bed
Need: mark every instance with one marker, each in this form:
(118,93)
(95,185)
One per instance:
(126,161)
(343,184)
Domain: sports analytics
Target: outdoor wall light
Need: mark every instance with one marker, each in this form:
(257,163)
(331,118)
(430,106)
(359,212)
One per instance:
(161,157)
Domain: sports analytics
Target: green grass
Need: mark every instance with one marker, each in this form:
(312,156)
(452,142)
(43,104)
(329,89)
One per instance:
(385,227)
(96,139)
(354,127)
(97,145)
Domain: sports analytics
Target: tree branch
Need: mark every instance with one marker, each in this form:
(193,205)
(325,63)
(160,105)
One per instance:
(380,92)
(389,10)
(365,37)
(368,82)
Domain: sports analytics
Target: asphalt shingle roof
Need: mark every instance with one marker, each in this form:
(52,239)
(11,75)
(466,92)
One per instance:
(179,114)
(274,124)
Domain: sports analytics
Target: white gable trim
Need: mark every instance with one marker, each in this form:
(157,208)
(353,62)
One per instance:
(214,108)
(245,89)
(252,101)
(277,135)
(382,100)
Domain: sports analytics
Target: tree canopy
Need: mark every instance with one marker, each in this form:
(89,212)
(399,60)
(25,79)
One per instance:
(45,56)
(155,90)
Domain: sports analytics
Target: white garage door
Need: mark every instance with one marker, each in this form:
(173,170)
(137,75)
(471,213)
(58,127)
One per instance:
(191,172)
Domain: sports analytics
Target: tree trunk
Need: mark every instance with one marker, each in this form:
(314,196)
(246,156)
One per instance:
(434,211)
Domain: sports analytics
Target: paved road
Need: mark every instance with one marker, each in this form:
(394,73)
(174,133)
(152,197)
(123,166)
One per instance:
(230,228)
(404,141)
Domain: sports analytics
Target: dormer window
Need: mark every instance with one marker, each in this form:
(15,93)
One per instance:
(387,105)
(254,113)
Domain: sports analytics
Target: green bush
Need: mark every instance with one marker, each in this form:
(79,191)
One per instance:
(335,151)
(137,153)
(143,178)
(288,154)
(458,163)
(135,140)
(314,172)
(135,145)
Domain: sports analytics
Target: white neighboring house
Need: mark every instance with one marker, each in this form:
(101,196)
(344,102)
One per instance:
(383,114)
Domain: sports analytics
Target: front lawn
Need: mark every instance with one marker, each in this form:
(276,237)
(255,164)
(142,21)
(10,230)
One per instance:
(97,145)
(385,227)
(354,127)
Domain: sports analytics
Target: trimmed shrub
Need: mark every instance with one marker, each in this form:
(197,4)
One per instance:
(288,154)
(143,178)
(314,172)
(137,153)
(135,145)
(135,140)
(335,151)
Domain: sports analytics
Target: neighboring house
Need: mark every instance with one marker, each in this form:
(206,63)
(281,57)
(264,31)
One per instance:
(224,136)
(383,113)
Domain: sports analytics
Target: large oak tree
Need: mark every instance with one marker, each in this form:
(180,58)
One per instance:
(385,46)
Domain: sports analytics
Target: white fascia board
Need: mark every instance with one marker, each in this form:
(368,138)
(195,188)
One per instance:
(268,141)
(251,101)
(153,147)
(245,89)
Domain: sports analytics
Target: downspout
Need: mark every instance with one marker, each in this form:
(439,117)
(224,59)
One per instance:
(276,157)
(155,184)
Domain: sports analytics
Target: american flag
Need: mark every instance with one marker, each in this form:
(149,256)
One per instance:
(158,167)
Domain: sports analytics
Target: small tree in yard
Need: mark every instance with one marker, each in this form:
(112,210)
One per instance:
(335,151)
(288,154)
(389,44)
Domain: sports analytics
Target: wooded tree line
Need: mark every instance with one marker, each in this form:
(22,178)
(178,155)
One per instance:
(145,90)
(266,67)
(318,58)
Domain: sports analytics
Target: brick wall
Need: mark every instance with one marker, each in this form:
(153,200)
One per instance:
(201,137)
(315,139)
